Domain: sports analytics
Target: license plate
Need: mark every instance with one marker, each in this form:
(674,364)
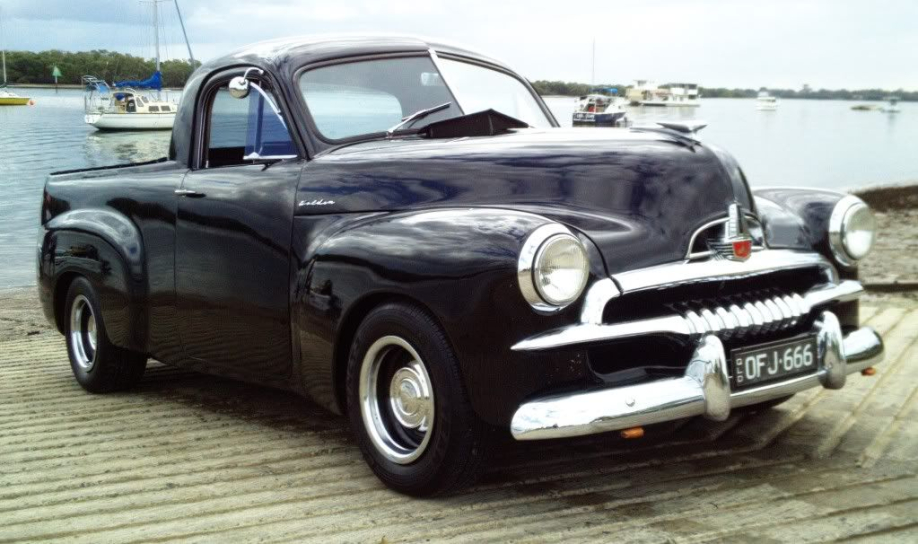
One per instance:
(773,361)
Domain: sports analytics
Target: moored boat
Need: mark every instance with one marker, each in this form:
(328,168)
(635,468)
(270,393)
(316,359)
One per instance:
(893,106)
(675,95)
(126,108)
(601,108)
(766,102)
(132,105)
(12,99)
(8,98)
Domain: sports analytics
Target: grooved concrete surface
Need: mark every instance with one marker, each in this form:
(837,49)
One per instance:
(192,458)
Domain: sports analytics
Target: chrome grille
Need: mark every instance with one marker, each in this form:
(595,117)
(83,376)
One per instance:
(744,315)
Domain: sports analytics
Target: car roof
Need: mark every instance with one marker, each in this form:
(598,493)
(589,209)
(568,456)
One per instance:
(293,52)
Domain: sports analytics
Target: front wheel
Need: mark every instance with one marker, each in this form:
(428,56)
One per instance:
(98,365)
(408,406)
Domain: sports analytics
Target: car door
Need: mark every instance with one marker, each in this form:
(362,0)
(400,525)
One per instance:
(232,251)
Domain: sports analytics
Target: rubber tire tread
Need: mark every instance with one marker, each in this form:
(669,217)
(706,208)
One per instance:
(452,461)
(116,369)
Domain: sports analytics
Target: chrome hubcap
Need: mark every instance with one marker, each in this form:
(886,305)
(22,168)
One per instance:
(83,333)
(396,399)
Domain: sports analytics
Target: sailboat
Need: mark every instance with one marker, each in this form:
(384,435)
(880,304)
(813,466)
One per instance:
(8,98)
(132,105)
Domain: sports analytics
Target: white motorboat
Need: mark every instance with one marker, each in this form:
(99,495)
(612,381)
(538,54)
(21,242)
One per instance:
(132,105)
(601,108)
(684,95)
(766,102)
(678,95)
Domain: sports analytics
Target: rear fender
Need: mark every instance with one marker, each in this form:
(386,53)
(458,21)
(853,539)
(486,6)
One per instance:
(106,248)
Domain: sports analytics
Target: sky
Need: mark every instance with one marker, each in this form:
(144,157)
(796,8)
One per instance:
(829,44)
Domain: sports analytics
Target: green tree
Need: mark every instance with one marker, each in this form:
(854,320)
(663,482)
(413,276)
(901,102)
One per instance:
(36,67)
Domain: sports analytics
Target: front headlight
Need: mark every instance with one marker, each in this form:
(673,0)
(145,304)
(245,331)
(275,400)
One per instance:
(852,230)
(553,268)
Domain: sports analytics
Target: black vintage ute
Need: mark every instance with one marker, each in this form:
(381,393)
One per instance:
(399,230)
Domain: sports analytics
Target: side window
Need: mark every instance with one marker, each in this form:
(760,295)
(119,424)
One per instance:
(244,130)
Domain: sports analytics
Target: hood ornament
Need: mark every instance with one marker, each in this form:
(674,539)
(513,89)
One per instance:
(736,244)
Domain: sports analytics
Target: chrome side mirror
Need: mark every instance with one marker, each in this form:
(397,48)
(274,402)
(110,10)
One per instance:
(239,87)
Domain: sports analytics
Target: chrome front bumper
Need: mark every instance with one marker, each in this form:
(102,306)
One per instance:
(704,390)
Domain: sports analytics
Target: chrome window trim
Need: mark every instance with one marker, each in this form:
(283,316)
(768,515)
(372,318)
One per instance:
(436,62)
(837,228)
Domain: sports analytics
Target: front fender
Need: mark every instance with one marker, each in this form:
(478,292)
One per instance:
(797,218)
(459,264)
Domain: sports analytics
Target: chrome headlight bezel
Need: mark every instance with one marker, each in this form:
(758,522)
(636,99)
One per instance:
(530,256)
(839,229)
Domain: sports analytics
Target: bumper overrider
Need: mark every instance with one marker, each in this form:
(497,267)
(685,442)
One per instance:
(705,387)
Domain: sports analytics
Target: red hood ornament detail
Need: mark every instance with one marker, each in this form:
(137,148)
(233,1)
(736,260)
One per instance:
(736,244)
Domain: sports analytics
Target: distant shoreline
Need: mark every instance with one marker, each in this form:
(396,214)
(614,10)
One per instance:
(65,86)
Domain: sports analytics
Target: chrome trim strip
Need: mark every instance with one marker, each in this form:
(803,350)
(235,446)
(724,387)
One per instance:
(760,262)
(704,390)
(594,303)
(682,272)
(583,334)
(763,315)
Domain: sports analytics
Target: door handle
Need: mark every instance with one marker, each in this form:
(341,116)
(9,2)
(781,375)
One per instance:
(189,193)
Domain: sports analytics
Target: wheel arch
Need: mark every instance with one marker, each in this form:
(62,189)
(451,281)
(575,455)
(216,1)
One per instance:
(458,265)
(72,249)
(350,322)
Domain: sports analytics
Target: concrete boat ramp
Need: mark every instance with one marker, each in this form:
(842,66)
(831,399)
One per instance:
(192,458)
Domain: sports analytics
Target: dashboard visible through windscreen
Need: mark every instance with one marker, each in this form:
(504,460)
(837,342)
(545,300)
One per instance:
(366,97)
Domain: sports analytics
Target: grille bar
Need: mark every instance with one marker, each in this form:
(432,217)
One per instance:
(741,316)
(732,316)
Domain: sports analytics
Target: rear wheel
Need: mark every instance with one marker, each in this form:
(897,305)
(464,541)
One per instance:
(98,365)
(408,406)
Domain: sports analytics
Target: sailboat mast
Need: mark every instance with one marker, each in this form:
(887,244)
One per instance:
(156,30)
(185,34)
(593,70)
(2,47)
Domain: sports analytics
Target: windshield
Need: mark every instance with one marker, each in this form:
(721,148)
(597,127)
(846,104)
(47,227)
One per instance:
(479,88)
(369,97)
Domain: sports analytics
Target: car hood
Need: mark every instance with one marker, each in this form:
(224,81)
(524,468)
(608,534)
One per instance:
(639,196)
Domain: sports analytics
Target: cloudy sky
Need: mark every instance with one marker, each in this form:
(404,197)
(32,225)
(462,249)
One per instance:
(731,43)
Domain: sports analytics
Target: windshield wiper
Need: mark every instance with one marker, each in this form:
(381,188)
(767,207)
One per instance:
(420,114)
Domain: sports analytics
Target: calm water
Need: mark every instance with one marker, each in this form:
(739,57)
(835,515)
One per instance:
(817,144)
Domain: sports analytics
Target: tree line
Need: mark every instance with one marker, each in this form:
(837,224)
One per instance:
(37,67)
(567,88)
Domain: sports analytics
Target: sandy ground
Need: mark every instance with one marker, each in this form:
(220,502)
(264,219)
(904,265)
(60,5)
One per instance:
(893,265)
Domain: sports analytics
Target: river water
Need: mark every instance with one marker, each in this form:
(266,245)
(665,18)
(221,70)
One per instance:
(811,143)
